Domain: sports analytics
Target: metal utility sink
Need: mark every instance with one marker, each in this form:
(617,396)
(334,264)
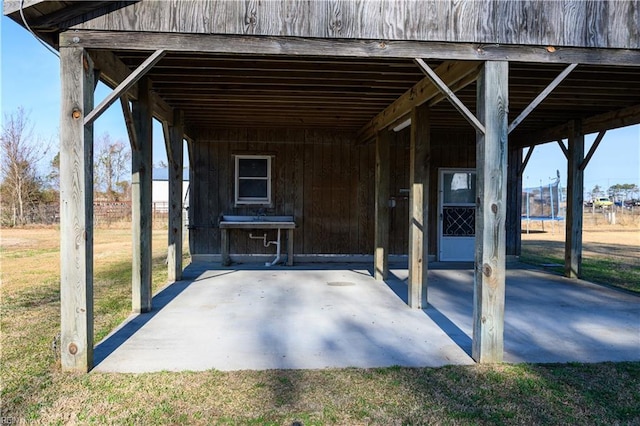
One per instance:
(257,222)
(250,223)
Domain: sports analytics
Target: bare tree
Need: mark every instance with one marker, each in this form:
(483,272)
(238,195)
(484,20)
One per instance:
(54,174)
(21,186)
(112,165)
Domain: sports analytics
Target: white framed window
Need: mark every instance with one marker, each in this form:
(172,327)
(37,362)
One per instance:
(253,179)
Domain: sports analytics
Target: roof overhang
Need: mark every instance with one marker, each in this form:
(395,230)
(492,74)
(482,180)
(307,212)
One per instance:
(263,81)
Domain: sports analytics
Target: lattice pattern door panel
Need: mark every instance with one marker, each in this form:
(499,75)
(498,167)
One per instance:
(459,221)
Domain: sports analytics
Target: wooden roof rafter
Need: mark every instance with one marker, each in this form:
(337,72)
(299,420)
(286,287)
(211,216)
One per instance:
(268,87)
(423,91)
(610,120)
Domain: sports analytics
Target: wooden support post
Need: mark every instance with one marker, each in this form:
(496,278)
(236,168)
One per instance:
(141,168)
(225,259)
(575,199)
(381,252)
(175,154)
(419,154)
(76,211)
(290,247)
(491,164)
(514,202)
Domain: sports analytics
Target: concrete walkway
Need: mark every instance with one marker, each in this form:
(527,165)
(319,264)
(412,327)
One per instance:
(320,316)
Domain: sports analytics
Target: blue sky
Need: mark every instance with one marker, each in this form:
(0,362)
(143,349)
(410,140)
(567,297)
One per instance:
(30,78)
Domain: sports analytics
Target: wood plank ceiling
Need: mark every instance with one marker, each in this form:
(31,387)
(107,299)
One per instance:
(300,92)
(290,92)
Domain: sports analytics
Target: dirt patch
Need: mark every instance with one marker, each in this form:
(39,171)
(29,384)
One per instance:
(610,253)
(618,241)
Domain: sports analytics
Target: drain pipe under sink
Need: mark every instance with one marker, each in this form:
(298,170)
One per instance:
(267,244)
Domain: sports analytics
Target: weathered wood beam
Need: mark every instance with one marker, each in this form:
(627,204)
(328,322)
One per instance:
(526,160)
(141,193)
(607,121)
(612,120)
(491,189)
(419,159)
(114,71)
(564,149)
(575,199)
(383,168)
(161,110)
(166,133)
(76,211)
(124,86)
(455,86)
(298,46)
(457,103)
(175,156)
(514,201)
(594,147)
(423,91)
(541,97)
(128,121)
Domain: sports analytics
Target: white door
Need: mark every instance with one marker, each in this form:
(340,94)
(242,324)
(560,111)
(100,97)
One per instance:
(457,214)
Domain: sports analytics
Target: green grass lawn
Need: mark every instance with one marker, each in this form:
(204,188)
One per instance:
(611,270)
(34,389)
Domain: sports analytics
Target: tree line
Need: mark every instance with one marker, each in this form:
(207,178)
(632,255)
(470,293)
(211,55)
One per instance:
(29,190)
(617,192)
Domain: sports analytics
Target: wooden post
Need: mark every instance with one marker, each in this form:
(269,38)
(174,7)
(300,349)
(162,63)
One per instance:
(141,169)
(514,202)
(491,165)
(76,210)
(289,247)
(418,213)
(225,259)
(575,200)
(381,252)
(175,146)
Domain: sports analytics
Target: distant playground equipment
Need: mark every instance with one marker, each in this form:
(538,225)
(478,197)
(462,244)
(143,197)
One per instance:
(542,203)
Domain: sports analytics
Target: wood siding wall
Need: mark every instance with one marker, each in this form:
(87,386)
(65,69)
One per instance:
(579,23)
(450,150)
(321,178)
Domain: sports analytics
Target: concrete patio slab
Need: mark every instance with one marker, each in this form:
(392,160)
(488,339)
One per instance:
(323,316)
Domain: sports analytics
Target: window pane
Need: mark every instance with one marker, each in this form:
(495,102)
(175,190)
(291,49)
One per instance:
(459,188)
(252,188)
(252,167)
